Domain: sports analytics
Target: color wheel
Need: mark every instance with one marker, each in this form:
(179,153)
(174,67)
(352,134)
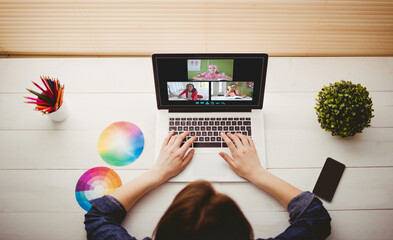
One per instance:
(121,143)
(94,183)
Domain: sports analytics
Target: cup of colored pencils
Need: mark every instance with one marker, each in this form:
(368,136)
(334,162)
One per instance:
(50,100)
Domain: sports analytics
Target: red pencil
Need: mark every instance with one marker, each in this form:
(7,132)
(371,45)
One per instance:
(39,87)
(35,99)
(47,87)
(38,103)
(48,110)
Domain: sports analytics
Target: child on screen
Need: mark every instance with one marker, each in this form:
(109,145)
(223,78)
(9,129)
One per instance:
(212,74)
(191,92)
(232,92)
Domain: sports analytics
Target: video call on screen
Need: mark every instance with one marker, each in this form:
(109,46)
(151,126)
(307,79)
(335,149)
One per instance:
(210,81)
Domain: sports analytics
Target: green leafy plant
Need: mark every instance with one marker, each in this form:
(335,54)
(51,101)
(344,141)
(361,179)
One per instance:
(344,108)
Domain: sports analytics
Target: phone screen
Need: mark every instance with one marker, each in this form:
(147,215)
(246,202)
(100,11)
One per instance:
(328,179)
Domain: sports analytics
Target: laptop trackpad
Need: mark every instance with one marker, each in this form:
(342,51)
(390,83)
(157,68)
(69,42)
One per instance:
(209,165)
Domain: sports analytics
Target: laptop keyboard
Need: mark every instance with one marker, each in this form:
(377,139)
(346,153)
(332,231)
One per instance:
(207,130)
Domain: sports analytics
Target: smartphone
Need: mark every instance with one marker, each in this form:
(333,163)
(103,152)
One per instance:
(328,179)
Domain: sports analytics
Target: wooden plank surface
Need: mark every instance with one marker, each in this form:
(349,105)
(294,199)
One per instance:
(294,148)
(281,111)
(287,127)
(86,112)
(40,183)
(296,110)
(288,148)
(82,75)
(103,75)
(53,190)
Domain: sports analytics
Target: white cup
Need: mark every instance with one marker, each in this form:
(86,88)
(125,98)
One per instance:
(60,114)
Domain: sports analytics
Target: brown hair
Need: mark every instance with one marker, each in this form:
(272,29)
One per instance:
(199,212)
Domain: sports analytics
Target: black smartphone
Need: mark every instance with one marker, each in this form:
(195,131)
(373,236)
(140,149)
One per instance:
(328,179)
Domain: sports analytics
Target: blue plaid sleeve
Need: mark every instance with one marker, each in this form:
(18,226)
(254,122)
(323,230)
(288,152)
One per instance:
(103,220)
(309,220)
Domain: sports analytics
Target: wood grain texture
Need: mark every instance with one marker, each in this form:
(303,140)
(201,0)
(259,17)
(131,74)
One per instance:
(371,148)
(83,75)
(296,110)
(53,190)
(134,75)
(281,111)
(292,148)
(282,27)
(38,200)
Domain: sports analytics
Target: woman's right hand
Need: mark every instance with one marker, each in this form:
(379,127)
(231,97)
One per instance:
(173,158)
(244,161)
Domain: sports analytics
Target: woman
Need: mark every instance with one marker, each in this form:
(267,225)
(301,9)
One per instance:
(198,211)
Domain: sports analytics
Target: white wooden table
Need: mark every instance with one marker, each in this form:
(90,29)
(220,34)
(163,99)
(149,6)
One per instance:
(41,161)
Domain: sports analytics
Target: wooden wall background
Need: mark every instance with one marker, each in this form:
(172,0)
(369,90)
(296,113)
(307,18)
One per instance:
(139,28)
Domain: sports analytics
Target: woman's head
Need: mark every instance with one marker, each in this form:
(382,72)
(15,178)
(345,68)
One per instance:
(213,69)
(190,87)
(199,212)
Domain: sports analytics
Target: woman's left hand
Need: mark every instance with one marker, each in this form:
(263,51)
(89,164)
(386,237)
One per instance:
(171,160)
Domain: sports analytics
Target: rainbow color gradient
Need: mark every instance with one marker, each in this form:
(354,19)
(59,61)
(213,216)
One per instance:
(94,183)
(121,143)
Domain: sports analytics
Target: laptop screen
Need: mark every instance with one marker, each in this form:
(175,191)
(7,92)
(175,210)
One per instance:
(209,80)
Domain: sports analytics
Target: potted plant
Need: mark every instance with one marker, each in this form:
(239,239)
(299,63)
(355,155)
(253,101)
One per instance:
(344,108)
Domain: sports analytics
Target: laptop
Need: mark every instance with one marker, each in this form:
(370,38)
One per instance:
(205,94)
